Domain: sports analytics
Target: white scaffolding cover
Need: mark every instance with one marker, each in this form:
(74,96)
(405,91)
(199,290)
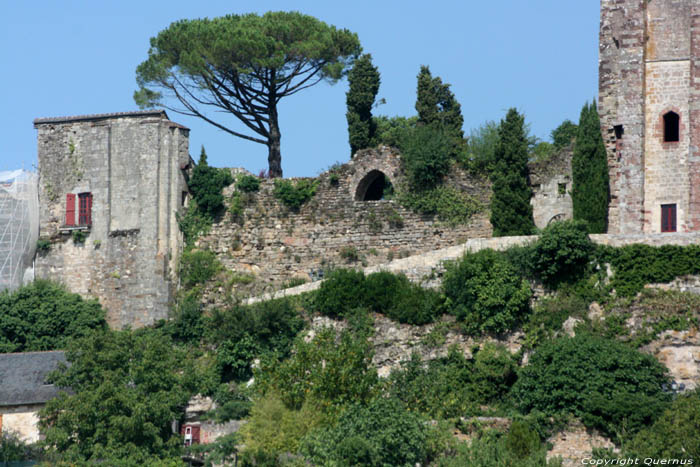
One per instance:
(19,226)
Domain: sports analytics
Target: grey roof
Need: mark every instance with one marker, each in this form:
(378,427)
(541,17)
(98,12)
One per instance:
(77,118)
(23,377)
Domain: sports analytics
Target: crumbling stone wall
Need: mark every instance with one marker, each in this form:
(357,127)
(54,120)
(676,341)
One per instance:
(276,244)
(132,165)
(648,67)
(551,180)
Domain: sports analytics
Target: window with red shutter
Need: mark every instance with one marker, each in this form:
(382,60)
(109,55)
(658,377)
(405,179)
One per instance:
(70,209)
(85,209)
(668,217)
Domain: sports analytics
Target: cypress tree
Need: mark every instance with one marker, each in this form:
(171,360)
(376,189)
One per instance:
(511,212)
(591,190)
(436,104)
(364,84)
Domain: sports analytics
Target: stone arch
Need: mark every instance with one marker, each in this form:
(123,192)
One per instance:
(559,217)
(371,186)
(671,122)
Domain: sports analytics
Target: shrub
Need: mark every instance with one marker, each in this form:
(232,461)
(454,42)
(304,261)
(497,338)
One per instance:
(562,252)
(43,245)
(426,157)
(248,183)
(343,290)
(294,195)
(493,450)
(382,433)
(494,372)
(197,267)
(415,305)
(448,204)
(206,184)
(608,385)
(349,254)
(550,314)
(193,223)
(485,293)
(45,316)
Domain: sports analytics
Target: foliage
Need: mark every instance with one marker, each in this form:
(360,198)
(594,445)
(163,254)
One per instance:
(193,223)
(637,265)
(13,449)
(45,316)
(564,134)
(549,316)
(127,387)
(43,245)
(343,290)
(248,183)
(484,291)
(206,184)
(562,253)
(511,212)
(243,333)
(391,131)
(674,435)
(425,154)
(363,80)
(275,429)
(188,323)
(411,303)
(436,105)
(293,195)
(608,385)
(445,202)
(331,369)
(349,254)
(381,433)
(590,192)
(220,452)
(494,450)
(243,65)
(197,267)
(481,148)
(78,236)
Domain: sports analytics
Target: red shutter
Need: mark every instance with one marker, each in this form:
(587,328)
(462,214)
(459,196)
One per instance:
(195,434)
(70,209)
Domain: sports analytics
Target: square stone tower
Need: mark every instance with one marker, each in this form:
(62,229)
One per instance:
(649,104)
(110,187)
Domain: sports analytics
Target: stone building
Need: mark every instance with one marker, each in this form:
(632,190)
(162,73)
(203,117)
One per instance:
(23,390)
(551,181)
(649,103)
(110,187)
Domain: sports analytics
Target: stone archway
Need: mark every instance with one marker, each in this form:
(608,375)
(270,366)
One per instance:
(559,217)
(372,186)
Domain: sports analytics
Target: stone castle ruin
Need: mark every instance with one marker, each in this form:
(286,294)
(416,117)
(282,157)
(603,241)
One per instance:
(650,113)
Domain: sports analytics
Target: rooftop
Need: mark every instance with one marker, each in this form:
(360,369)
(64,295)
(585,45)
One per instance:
(23,377)
(94,117)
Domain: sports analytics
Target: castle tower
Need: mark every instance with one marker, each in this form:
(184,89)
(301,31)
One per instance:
(649,104)
(110,187)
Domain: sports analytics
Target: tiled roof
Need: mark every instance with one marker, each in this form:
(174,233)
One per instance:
(78,118)
(23,377)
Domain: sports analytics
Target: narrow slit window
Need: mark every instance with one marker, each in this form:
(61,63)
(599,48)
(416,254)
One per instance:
(668,217)
(671,127)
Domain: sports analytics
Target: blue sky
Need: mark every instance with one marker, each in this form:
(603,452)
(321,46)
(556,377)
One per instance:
(79,57)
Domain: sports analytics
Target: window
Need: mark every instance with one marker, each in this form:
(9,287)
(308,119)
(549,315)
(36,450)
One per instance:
(562,189)
(668,217)
(85,209)
(671,127)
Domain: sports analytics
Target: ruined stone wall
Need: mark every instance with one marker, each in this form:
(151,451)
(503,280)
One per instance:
(648,68)
(551,188)
(276,244)
(132,164)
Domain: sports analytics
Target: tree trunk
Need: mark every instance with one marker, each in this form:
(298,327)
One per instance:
(274,155)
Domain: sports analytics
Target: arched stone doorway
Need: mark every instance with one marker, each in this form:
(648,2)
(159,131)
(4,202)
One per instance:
(373,186)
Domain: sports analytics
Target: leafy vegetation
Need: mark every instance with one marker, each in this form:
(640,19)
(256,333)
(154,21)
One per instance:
(294,195)
(363,80)
(206,184)
(45,316)
(248,183)
(562,253)
(425,153)
(197,267)
(448,204)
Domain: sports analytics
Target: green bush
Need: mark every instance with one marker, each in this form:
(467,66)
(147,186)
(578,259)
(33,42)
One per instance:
(425,153)
(550,314)
(608,385)
(248,183)
(415,305)
(193,223)
(522,440)
(484,291)
(197,267)
(45,316)
(494,450)
(493,373)
(294,195)
(562,253)
(381,433)
(342,291)
(206,184)
(637,265)
(448,204)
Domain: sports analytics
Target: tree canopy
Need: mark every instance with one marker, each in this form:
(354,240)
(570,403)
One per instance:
(243,65)
(364,84)
(436,104)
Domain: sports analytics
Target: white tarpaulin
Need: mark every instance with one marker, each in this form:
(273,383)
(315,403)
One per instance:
(19,225)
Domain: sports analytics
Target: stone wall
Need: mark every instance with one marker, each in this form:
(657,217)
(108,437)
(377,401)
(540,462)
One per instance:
(22,420)
(131,163)
(277,244)
(647,68)
(551,181)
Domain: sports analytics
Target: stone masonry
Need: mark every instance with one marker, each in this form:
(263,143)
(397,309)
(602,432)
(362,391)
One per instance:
(131,165)
(551,188)
(649,68)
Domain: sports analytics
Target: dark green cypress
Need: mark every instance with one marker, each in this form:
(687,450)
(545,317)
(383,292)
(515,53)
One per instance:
(364,82)
(591,189)
(437,105)
(511,212)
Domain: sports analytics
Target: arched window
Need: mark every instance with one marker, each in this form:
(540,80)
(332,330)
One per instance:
(373,186)
(671,127)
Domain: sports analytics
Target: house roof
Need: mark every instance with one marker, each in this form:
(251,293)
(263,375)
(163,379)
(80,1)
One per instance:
(23,377)
(94,117)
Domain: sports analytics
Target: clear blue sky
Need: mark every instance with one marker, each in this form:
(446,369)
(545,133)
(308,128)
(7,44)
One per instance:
(78,57)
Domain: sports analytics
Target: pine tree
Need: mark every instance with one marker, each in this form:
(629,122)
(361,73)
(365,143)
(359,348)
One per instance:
(511,212)
(364,84)
(436,104)
(591,190)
